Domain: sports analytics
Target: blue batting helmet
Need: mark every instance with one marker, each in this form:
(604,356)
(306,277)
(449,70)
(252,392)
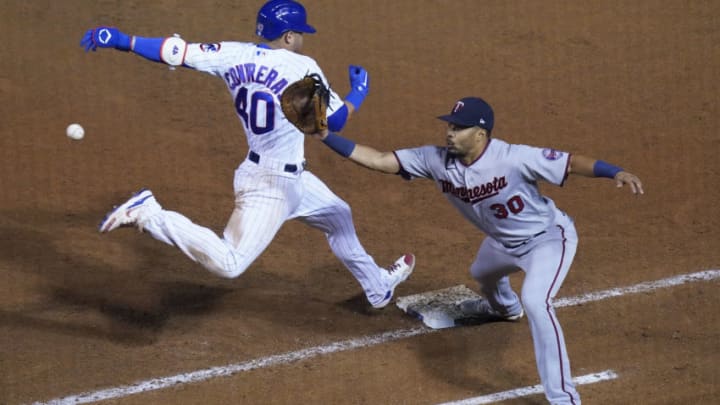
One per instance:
(279,16)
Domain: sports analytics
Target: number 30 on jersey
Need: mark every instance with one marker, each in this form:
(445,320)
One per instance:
(514,204)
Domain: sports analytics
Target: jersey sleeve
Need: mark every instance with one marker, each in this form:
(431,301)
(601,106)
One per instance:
(415,162)
(546,164)
(336,102)
(212,58)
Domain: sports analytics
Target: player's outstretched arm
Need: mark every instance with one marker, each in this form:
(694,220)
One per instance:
(589,167)
(363,155)
(169,50)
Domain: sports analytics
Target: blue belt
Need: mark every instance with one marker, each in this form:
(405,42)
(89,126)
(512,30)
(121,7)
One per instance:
(254,157)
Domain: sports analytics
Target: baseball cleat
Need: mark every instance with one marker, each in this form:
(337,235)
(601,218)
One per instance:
(481,309)
(142,203)
(394,275)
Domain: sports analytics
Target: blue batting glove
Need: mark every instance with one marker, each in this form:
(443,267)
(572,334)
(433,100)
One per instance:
(105,37)
(359,79)
(359,85)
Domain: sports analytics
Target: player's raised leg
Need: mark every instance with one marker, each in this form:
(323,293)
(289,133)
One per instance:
(252,226)
(199,243)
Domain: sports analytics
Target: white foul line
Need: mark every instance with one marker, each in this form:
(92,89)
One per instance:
(637,288)
(335,347)
(224,371)
(535,389)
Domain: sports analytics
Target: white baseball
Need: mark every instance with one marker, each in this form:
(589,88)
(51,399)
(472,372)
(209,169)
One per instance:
(75,131)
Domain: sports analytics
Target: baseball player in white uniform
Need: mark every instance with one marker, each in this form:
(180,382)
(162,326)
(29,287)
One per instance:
(494,185)
(271,186)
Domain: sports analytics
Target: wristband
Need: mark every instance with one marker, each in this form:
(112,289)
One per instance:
(339,144)
(356,98)
(605,169)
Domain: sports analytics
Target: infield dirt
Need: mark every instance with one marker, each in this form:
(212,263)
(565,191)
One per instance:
(634,83)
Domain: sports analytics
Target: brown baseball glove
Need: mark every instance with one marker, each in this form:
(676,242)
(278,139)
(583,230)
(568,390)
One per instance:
(305,102)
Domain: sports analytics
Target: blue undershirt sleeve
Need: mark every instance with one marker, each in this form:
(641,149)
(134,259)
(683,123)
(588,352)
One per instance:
(337,120)
(148,48)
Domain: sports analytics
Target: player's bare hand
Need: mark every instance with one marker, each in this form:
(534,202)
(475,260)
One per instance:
(320,135)
(630,179)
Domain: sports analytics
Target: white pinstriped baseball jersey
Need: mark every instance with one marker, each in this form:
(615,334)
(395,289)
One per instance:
(256,77)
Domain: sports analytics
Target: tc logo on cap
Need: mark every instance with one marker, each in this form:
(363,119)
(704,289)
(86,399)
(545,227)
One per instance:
(470,112)
(458,106)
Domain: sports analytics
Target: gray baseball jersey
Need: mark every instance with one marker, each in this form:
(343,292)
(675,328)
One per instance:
(498,192)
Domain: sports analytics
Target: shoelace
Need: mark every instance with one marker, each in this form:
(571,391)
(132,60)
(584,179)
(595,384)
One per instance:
(394,267)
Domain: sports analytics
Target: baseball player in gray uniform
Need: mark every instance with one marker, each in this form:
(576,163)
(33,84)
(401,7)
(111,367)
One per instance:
(494,185)
(271,185)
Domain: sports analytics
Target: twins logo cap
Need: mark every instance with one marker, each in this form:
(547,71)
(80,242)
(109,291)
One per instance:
(470,112)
